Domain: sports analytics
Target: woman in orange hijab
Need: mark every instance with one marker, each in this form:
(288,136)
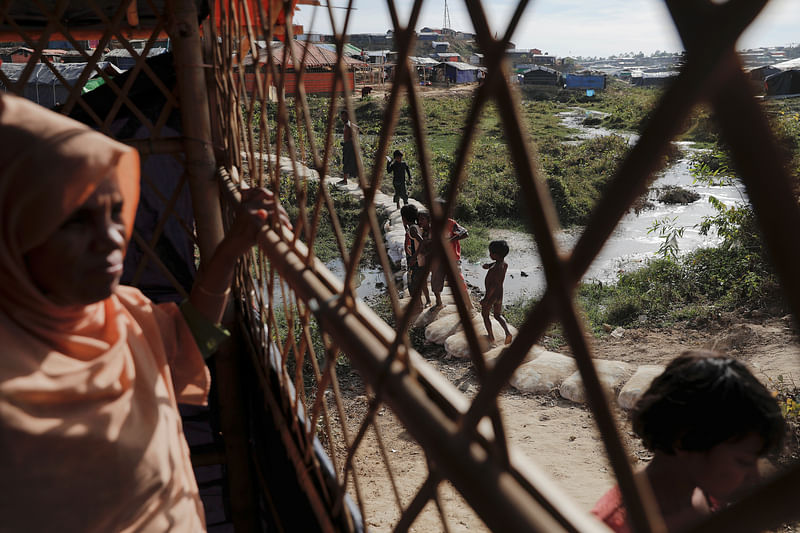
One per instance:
(91,371)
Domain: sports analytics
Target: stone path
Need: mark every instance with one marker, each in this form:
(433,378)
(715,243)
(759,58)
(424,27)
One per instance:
(542,371)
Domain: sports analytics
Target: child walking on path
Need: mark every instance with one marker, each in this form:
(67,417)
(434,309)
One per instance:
(707,420)
(400,171)
(493,300)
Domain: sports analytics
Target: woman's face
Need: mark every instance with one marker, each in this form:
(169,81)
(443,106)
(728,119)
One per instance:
(728,466)
(81,263)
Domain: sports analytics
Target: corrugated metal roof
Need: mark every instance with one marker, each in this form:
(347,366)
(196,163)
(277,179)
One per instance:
(788,65)
(349,49)
(416,60)
(123,52)
(458,65)
(317,57)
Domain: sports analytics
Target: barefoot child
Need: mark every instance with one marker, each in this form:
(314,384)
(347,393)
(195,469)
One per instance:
(349,165)
(707,420)
(418,262)
(454,233)
(493,301)
(400,171)
(409,214)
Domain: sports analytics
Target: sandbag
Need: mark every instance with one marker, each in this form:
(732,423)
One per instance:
(638,383)
(612,375)
(543,374)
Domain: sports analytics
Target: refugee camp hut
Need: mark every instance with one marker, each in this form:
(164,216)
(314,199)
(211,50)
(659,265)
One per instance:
(123,60)
(318,63)
(759,74)
(785,83)
(5,53)
(349,50)
(652,79)
(539,75)
(446,56)
(44,87)
(21,54)
(543,59)
(440,46)
(585,80)
(423,66)
(457,72)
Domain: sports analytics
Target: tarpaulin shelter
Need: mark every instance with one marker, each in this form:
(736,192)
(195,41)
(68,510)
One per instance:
(585,81)
(652,79)
(123,59)
(783,83)
(458,72)
(46,88)
(539,75)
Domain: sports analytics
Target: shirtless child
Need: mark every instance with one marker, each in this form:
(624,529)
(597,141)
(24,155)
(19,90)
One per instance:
(493,301)
(418,261)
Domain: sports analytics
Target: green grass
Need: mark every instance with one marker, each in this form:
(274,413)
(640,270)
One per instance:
(348,211)
(476,246)
(691,288)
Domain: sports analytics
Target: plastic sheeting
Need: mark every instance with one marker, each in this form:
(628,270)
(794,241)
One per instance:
(43,86)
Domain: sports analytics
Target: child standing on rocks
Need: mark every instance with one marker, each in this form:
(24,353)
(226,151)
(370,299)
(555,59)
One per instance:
(454,233)
(409,214)
(400,171)
(419,260)
(493,300)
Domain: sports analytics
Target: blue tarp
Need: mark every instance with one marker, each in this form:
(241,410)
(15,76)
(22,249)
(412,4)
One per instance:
(458,72)
(585,81)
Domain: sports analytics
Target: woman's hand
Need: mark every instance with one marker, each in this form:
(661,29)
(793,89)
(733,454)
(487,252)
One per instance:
(211,286)
(257,208)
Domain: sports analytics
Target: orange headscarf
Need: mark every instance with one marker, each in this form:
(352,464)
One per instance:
(90,437)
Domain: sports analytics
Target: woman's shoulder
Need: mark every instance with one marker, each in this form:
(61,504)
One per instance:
(132,297)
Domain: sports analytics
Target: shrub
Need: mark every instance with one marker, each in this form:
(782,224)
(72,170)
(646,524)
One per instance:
(623,309)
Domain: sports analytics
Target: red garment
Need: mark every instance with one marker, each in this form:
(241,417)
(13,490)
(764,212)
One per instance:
(452,228)
(611,511)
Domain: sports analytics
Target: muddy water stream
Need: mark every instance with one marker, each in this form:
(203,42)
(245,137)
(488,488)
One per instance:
(630,244)
(628,247)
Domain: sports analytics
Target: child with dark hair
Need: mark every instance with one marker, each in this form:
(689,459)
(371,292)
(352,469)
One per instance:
(454,233)
(400,171)
(409,214)
(493,300)
(349,164)
(707,420)
(418,260)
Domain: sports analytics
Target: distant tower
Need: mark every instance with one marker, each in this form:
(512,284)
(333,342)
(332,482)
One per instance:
(446,22)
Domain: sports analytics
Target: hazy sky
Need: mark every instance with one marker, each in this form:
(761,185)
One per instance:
(565,27)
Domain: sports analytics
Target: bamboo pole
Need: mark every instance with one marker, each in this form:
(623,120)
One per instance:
(200,166)
(196,124)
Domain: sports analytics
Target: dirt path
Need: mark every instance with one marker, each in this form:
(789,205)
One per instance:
(559,436)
